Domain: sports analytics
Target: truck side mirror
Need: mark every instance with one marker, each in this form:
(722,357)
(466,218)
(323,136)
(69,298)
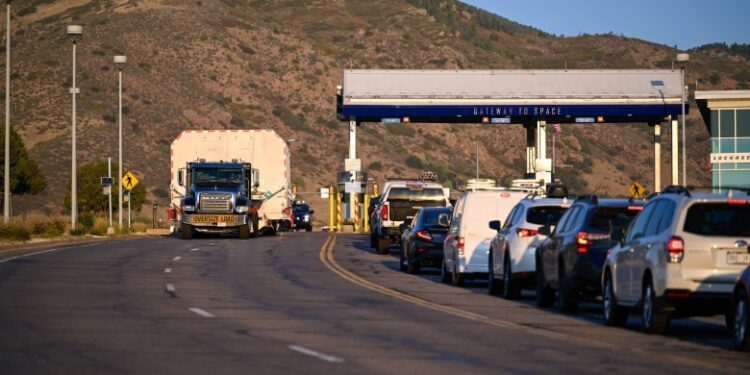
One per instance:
(444,220)
(181,176)
(312,212)
(495,225)
(256,178)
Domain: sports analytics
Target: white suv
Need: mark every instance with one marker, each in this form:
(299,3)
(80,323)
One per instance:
(512,261)
(680,257)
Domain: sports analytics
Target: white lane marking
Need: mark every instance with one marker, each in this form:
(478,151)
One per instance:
(195,249)
(176,259)
(170,288)
(318,355)
(202,312)
(167,270)
(44,251)
(212,244)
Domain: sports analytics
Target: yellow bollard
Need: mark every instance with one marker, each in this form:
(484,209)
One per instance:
(365,213)
(338,212)
(331,211)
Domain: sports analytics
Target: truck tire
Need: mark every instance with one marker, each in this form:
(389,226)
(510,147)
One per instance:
(384,246)
(187,231)
(244,232)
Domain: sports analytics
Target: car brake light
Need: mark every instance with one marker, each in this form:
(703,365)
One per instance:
(635,208)
(423,234)
(526,232)
(460,245)
(737,201)
(584,240)
(675,249)
(384,212)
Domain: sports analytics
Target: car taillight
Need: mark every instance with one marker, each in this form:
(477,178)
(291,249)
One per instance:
(635,208)
(737,201)
(384,212)
(585,239)
(675,249)
(423,235)
(460,245)
(526,232)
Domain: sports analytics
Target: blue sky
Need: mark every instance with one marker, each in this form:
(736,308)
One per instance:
(685,23)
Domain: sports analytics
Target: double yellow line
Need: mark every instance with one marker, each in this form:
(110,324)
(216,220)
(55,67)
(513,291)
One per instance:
(326,256)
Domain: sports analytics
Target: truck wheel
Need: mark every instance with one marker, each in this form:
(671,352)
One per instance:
(244,232)
(187,231)
(384,246)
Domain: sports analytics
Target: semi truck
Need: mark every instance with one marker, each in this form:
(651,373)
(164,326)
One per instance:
(230,181)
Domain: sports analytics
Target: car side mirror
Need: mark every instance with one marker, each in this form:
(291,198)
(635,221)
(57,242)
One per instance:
(408,221)
(312,212)
(495,225)
(618,234)
(444,220)
(545,230)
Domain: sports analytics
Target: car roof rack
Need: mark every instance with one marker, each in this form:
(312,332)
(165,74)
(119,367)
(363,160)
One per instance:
(676,189)
(592,198)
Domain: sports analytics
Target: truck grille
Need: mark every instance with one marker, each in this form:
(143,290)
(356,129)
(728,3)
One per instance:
(212,202)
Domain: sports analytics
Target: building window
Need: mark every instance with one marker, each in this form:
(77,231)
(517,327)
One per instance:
(743,123)
(726,125)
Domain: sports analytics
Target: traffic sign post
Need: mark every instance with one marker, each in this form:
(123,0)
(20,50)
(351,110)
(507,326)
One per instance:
(129,181)
(636,190)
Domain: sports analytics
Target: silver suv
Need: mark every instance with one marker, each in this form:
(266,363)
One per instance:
(680,257)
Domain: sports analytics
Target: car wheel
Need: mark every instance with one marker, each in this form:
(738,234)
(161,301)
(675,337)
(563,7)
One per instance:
(309,229)
(402,260)
(568,296)
(373,242)
(614,315)
(740,318)
(444,274)
(545,296)
(384,245)
(654,319)
(457,279)
(412,267)
(494,286)
(511,288)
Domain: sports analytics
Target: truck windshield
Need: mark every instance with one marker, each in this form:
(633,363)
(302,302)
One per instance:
(219,177)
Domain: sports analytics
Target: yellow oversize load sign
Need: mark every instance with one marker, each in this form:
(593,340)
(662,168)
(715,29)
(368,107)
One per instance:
(129,181)
(213,219)
(636,190)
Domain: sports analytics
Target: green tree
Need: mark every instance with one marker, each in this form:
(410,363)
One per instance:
(90,196)
(25,175)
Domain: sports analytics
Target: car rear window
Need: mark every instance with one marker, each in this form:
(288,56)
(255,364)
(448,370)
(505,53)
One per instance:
(606,218)
(430,217)
(416,194)
(718,219)
(545,215)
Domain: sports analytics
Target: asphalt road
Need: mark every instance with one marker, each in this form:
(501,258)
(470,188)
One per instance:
(304,303)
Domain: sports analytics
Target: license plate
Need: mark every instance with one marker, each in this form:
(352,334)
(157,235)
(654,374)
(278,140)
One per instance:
(738,257)
(213,219)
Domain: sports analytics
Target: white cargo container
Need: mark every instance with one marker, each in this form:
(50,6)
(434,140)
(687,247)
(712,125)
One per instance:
(265,150)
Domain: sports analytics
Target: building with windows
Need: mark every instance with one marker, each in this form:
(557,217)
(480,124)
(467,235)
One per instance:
(727,115)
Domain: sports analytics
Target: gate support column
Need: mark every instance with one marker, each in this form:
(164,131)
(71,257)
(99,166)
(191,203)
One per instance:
(352,156)
(675,154)
(657,158)
(530,149)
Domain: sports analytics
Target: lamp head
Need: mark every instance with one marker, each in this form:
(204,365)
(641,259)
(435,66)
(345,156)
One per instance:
(75,32)
(682,59)
(120,60)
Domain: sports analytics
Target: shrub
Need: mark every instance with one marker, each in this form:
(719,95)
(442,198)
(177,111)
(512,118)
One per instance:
(138,227)
(376,166)
(414,162)
(14,231)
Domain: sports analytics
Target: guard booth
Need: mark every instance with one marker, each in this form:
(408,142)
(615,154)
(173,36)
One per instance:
(532,98)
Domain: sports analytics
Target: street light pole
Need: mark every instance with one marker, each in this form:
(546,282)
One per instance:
(74,32)
(120,61)
(6,175)
(476,143)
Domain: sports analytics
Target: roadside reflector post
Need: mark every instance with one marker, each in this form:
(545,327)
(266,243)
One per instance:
(331,209)
(355,203)
(338,211)
(657,157)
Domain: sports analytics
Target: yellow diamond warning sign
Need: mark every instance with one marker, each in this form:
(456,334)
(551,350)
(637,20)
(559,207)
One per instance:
(636,190)
(129,181)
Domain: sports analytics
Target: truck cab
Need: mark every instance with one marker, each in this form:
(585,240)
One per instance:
(218,198)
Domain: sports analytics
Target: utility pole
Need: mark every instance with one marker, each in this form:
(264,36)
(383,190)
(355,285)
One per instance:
(6,175)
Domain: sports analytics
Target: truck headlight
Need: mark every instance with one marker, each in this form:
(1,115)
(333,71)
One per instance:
(188,208)
(241,209)
(307,217)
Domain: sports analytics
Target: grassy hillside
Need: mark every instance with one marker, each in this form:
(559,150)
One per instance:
(273,64)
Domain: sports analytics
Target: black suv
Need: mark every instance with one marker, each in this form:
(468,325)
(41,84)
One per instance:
(570,261)
(302,216)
